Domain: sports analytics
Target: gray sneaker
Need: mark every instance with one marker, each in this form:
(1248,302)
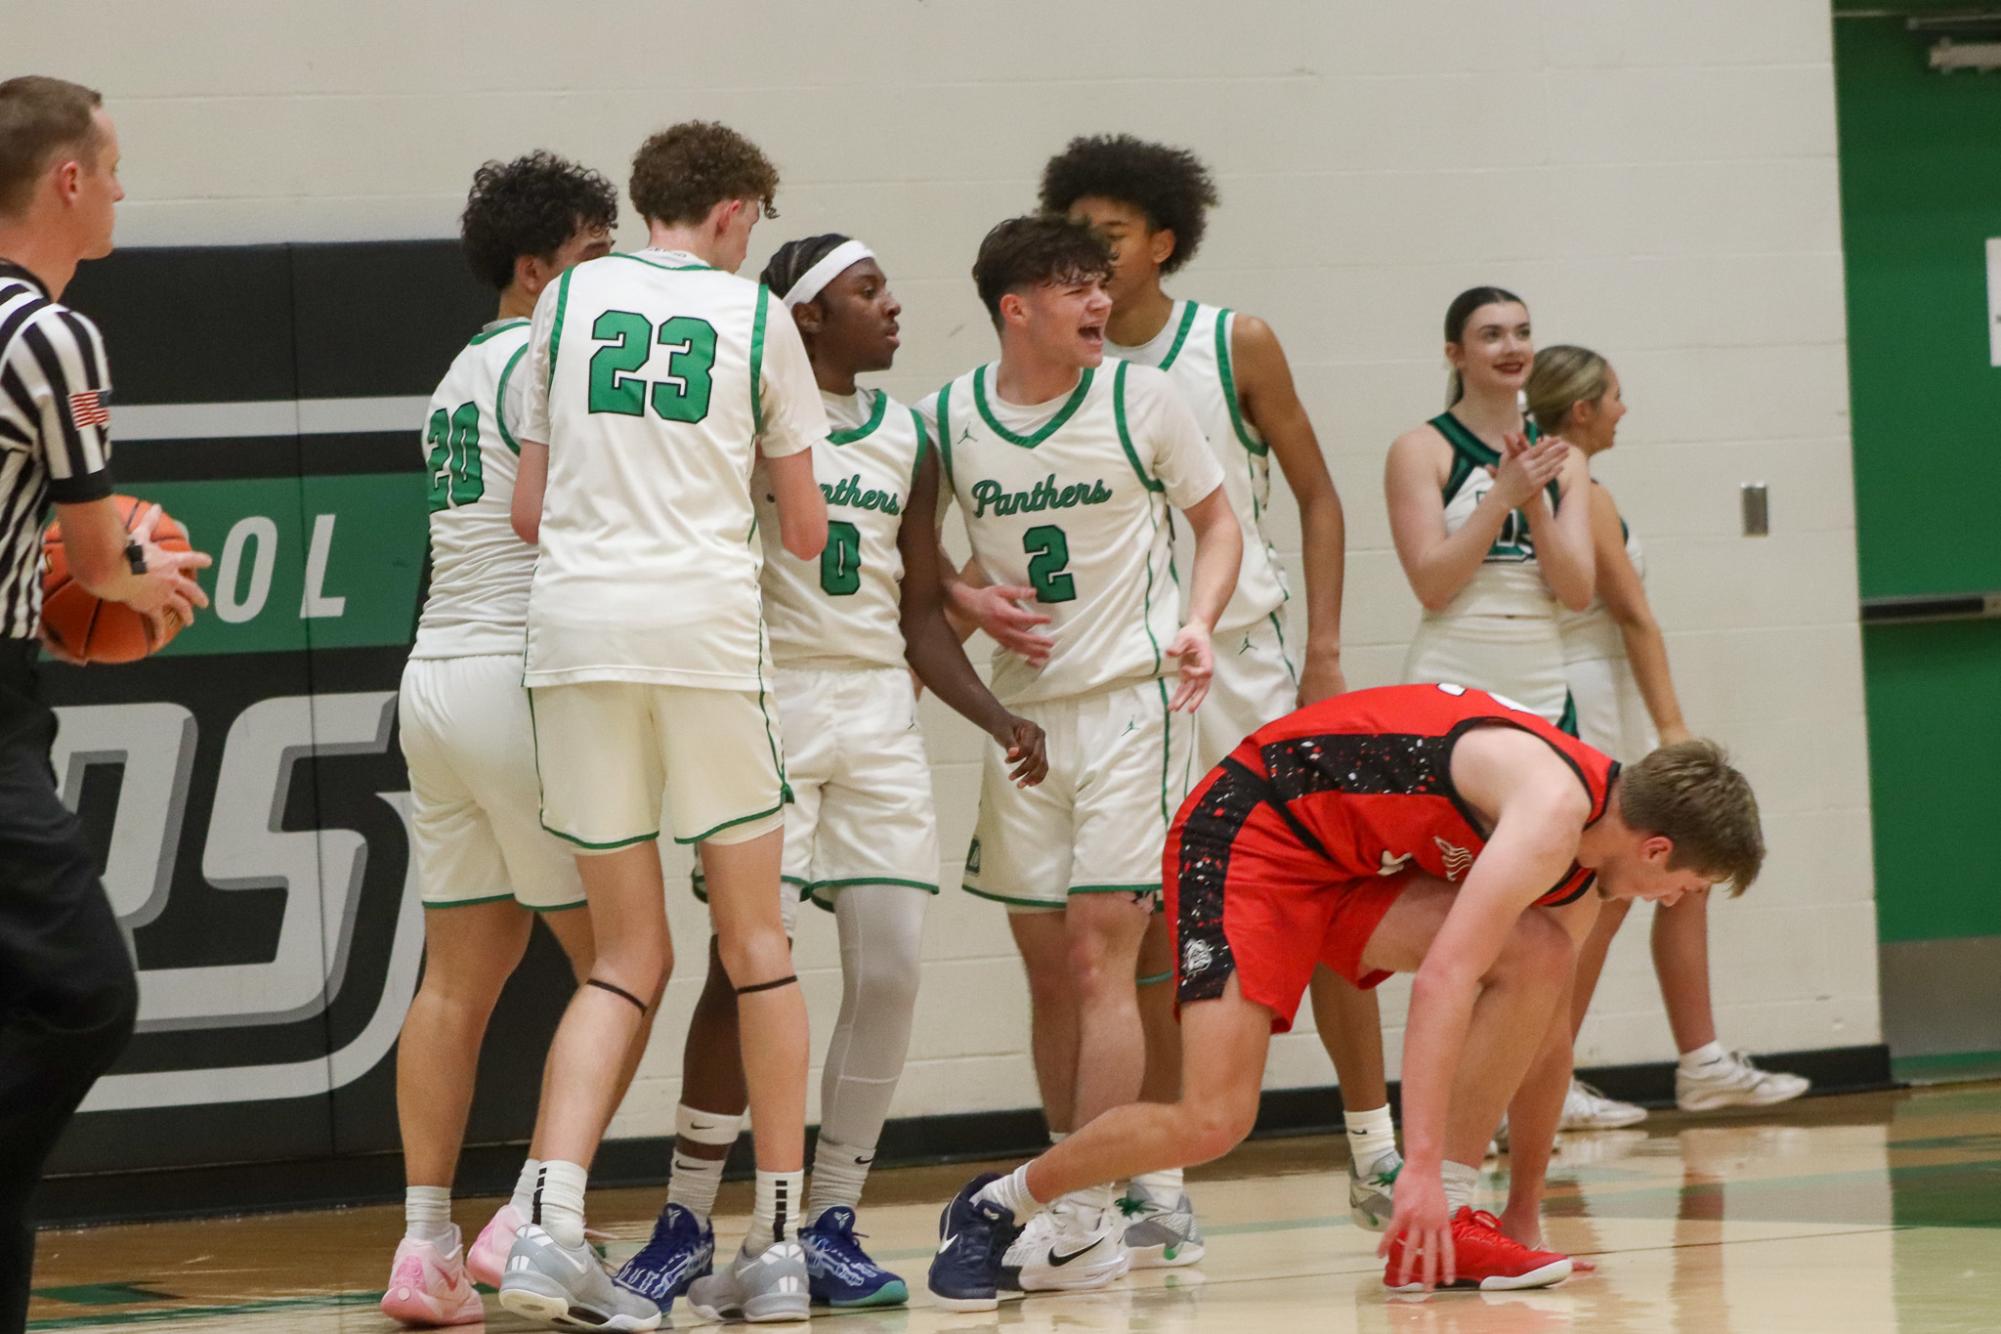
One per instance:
(1372,1198)
(1159,1237)
(568,1287)
(757,1288)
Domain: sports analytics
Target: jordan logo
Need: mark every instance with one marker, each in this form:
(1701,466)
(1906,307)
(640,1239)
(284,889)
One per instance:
(1132,725)
(965,435)
(1392,865)
(973,858)
(1457,859)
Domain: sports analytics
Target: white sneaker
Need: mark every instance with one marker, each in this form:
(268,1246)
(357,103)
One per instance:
(1070,1247)
(1585,1108)
(1733,1081)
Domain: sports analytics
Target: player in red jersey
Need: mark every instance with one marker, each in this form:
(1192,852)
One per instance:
(1407,829)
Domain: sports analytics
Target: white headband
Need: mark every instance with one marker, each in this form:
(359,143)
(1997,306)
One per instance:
(812,282)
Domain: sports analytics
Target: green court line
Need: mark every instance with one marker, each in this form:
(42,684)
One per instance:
(173,1313)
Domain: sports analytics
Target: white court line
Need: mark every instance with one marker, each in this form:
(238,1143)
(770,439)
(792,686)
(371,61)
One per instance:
(287,416)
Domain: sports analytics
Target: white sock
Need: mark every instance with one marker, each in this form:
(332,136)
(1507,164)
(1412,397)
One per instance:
(1162,1188)
(1371,1134)
(427,1215)
(524,1187)
(558,1203)
(1011,1193)
(839,1173)
(775,1217)
(1090,1202)
(694,1181)
(1058,1136)
(1707,1054)
(1460,1181)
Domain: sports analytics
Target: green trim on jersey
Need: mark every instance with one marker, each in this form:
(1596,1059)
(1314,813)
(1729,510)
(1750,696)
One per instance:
(1180,335)
(1566,722)
(945,433)
(469,903)
(1048,428)
(757,361)
(713,830)
(1125,436)
(1283,656)
(556,907)
(612,846)
(849,882)
(1166,748)
(1470,451)
(866,428)
(475,341)
(923,447)
(1146,887)
(500,399)
(1229,379)
(556,329)
(656,264)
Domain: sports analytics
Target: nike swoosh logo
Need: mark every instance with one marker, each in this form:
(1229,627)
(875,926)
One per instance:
(1057,1258)
(864,1162)
(948,1243)
(697,1125)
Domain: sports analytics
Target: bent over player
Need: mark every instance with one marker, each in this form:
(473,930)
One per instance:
(1427,829)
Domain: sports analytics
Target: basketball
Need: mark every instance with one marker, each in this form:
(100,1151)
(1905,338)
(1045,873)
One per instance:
(87,626)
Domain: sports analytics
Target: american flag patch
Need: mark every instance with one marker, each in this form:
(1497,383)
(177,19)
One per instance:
(87,409)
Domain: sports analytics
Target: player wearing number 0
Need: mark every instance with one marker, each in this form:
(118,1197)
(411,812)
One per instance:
(1065,464)
(860,837)
(1423,829)
(657,381)
(1151,202)
(486,866)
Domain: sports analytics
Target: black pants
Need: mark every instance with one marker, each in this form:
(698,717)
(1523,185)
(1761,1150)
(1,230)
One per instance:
(67,993)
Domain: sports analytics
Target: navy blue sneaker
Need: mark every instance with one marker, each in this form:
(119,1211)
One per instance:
(840,1272)
(968,1273)
(680,1251)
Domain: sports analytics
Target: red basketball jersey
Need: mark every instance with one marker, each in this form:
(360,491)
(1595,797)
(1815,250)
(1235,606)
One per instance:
(1365,779)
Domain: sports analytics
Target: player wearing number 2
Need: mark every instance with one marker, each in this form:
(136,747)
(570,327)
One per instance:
(1064,464)
(485,866)
(860,837)
(657,380)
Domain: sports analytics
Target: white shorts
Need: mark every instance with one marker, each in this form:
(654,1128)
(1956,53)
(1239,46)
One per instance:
(607,751)
(474,809)
(1253,685)
(1517,656)
(1119,766)
(862,810)
(1611,712)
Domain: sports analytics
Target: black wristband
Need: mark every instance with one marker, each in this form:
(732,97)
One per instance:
(135,556)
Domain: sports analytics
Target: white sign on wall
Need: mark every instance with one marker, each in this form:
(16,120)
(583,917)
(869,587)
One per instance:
(1994,300)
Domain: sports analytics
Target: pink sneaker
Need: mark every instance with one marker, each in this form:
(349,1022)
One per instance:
(488,1255)
(428,1286)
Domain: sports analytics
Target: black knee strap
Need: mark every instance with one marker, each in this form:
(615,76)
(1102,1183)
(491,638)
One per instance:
(788,980)
(618,991)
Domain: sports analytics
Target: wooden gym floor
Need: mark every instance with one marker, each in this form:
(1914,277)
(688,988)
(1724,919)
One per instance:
(1873,1212)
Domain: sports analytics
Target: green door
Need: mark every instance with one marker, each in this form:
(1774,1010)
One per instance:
(1920,164)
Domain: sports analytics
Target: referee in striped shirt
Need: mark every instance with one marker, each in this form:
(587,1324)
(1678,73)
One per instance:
(67,992)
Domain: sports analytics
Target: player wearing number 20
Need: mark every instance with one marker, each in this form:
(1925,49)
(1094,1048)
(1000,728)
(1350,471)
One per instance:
(1064,464)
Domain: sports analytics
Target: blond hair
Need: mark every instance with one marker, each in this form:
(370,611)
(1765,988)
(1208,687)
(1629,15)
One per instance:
(1690,794)
(1563,377)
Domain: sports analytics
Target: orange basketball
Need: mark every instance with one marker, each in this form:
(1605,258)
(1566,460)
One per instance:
(87,626)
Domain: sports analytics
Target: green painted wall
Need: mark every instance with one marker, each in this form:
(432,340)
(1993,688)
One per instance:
(1920,195)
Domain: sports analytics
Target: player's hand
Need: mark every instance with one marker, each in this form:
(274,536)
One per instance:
(166,594)
(1419,1217)
(1000,611)
(1321,678)
(1027,750)
(1197,657)
(1526,469)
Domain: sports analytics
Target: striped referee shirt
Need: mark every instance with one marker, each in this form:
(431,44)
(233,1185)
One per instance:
(55,441)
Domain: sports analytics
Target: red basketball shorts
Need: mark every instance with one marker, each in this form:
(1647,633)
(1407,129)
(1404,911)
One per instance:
(1245,896)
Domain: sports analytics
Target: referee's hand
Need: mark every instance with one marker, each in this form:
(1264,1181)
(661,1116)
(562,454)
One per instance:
(166,593)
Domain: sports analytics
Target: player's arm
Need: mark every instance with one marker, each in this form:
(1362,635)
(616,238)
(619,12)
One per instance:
(793,421)
(1193,481)
(1563,539)
(531,481)
(933,648)
(1625,599)
(1539,809)
(1271,401)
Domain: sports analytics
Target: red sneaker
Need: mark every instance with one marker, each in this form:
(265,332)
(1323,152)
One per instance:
(1486,1257)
